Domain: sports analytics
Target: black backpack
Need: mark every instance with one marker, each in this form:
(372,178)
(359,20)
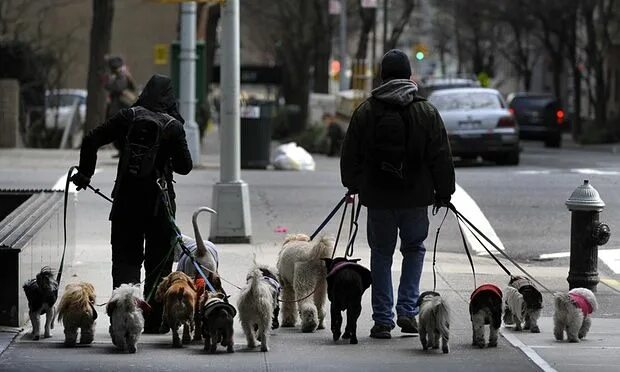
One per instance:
(142,142)
(389,153)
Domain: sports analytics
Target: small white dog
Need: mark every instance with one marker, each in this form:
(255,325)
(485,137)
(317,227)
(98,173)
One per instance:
(301,272)
(434,321)
(125,309)
(572,314)
(204,251)
(256,304)
(77,311)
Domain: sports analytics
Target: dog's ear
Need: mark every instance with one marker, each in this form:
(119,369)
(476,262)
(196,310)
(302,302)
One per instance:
(110,307)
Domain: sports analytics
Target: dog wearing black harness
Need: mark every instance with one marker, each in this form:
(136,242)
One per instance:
(523,303)
(42,293)
(346,283)
(217,321)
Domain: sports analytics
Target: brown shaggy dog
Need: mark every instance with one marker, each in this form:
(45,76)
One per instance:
(178,293)
(77,311)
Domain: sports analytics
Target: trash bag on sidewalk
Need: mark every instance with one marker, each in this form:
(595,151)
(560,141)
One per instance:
(289,156)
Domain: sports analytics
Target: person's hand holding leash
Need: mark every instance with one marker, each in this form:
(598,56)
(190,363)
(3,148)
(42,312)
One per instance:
(441,202)
(80,180)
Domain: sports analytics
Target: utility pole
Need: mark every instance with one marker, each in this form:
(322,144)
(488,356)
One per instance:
(187,81)
(344,83)
(231,200)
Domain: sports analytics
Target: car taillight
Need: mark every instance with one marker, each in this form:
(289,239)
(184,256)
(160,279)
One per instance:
(559,116)
(512,111)
(506,122)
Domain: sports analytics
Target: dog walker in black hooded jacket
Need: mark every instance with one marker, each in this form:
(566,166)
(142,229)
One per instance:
(137,215)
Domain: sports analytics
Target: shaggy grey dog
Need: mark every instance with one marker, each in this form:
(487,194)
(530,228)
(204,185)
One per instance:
(434,321)
(204,251)
(302,275)
(256,304)
(523,303)
(125,309)
(572,314)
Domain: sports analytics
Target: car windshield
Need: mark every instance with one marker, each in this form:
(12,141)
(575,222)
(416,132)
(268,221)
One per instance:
(61,100)
(466,101)
(531,103)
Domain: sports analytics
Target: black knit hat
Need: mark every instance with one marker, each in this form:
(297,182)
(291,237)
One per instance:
(395,65)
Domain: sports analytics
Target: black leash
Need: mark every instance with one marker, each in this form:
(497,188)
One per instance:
(329,217)
(435,246)
(64,224)
(100,193)
(353,227)
(460,216)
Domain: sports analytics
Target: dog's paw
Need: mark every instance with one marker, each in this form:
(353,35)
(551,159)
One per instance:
(479,344)
(573,340)
(353,340)
(36,337)
(264,348)
(445,349)
(229,349)
(535,329)
(287,323)
(177,343)
(346,335)
(47,335)
(186,340)
(321,325)
(492,344)
(132,349)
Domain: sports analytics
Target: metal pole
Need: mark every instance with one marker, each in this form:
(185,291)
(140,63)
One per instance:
(187,83)
(385,24)
(344,83)
(231,198)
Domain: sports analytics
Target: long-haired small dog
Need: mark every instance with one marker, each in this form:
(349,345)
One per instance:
(434,321)
(523,303)
(178,294)
(572,314)
(125,309)
(217,321)
(77,311)
(256,305)
(205,252)
(346,283)
(42,293)
(302,275)
(485,307)
(201,285)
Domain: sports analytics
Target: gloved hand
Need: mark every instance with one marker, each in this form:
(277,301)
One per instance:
(440,202)
(80,180)
(351,195)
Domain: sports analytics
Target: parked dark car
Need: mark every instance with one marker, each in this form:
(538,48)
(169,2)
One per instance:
(540,117)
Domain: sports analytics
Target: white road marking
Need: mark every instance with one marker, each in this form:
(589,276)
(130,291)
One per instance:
(528,351)
(573,347)
(60,184)
(610,257)
(545,171)
(595,172)
(468,207)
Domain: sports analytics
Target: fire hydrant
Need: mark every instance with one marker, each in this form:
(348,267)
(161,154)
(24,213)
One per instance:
(586,234)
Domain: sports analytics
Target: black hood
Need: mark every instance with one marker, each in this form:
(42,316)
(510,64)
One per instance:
(158,96)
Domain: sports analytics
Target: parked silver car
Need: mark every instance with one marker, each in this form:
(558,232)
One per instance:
(478,123)
(59,107)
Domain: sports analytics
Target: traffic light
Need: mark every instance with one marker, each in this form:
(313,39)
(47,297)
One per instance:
(420,51)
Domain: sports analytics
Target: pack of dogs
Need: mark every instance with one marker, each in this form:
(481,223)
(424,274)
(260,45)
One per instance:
(304,277)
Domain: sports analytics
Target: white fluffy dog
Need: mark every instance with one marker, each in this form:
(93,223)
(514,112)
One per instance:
(302,275)
(204,251)
(125,309)
(434,321)
(77,311)
(572,314)
(255,306)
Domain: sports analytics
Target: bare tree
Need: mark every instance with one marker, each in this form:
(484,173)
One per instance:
(400,24)
(100,40)
(323,46)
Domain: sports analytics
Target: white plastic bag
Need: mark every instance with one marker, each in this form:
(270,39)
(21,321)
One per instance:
(289,156)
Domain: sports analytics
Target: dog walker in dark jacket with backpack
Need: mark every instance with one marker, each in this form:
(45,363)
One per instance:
(155,146)
(396,155)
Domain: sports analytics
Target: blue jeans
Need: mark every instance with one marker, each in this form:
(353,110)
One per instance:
(383,227)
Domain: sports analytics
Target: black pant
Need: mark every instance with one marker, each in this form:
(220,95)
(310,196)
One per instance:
(129,250)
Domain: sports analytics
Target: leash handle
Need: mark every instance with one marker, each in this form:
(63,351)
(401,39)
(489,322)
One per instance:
(344,213)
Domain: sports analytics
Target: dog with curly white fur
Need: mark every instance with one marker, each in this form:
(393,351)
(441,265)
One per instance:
(77,311)
(302,275)
(572,314)
(125,309)
(256,305)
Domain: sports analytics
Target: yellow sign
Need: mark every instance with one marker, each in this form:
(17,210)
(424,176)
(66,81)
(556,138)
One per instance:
(160,54)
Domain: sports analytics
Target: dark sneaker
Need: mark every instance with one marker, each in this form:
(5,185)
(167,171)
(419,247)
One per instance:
(407,324)
(381,331)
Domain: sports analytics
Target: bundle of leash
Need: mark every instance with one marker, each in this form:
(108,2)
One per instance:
(307,273)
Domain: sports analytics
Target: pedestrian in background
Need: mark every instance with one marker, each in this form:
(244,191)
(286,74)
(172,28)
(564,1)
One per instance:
(396,156)
(121,90)
(138,214)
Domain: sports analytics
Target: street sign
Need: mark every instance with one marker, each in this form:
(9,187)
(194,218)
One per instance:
(160,54)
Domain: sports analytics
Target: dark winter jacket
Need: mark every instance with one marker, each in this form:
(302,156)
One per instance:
(432,178)
(140,197)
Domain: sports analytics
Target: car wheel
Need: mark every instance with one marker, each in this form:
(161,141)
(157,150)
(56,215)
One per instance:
(509,158)
(554,141)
